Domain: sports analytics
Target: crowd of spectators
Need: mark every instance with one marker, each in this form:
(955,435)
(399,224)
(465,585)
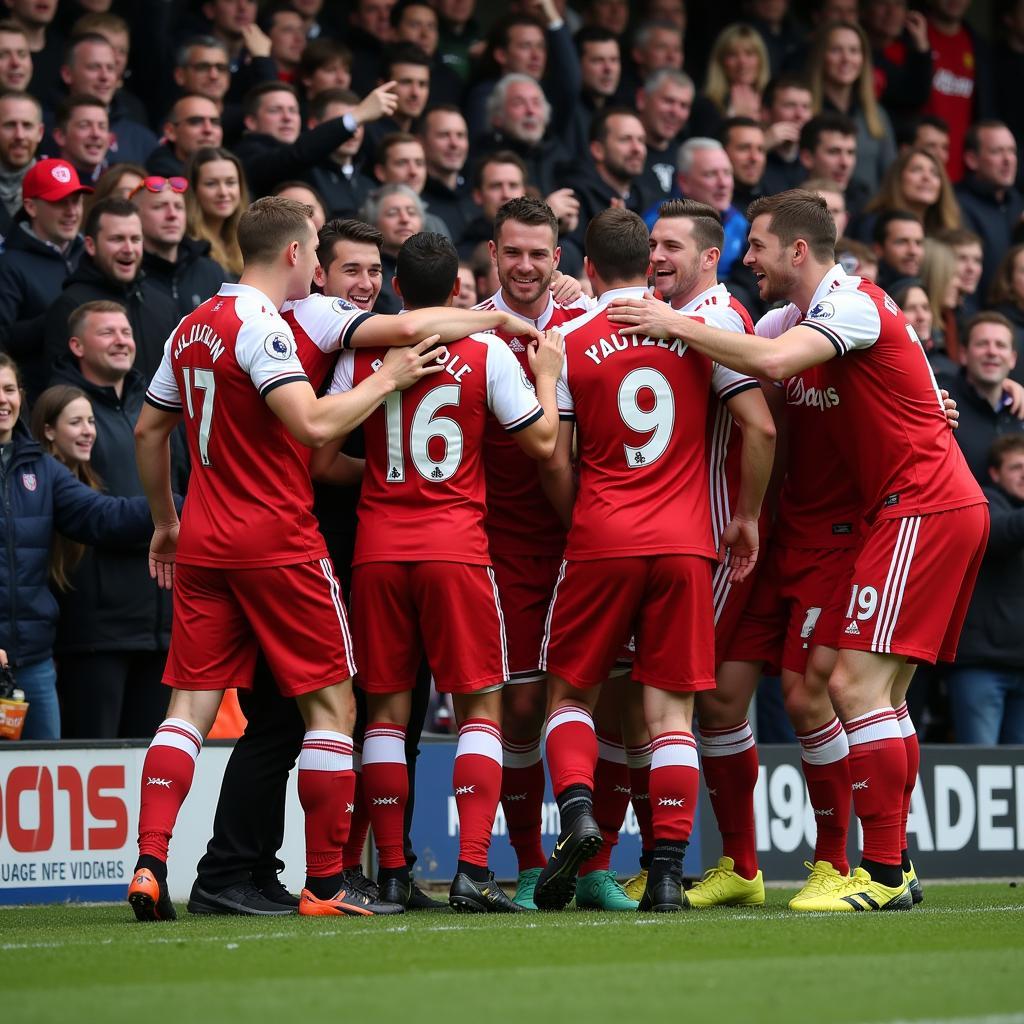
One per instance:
(133,134)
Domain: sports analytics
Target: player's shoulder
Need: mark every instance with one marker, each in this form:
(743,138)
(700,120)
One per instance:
(586,319)
(487,305)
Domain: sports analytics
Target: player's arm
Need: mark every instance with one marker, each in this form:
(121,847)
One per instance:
(331,466)
(153,431)
(795,350)
(557,476)
(539,437)
(447,322)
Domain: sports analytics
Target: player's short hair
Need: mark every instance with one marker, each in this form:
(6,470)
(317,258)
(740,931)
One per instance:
(887,217)
(499,156)
(988,316)
(1003,446)
(254,97)
(708,232)
(795,214)
(270,224)
(619,245)
(322,100)
(426,269)
(344,229)
(599,125)
(526,210)
(77,100)
(829,121)
(76,321)
(115,206)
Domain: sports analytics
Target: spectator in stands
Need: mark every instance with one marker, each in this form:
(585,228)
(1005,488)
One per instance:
(857,259)
(303,193)
(326,64)
(45,44)
(416,22)
(28,518)
(787,107)
(217,197)
(400,161)
(111,269)
(445,139)
(738,72)
(901,55)
(610,15)
(939,278)
(179,266)
(917,308)
(286,30)
(21,131)
(460,33)
(114,625)
(899,242)
(834,200)
(397,213)
(336,177)
(986,686)
(916,182)
(118,181)
(828,149)
(967,249)
(369,32)
(1007,297)
(82,131)
(842,80)
(743,139)
(499,177)
(44,246)
(779,30)
(656,44)
(202,67)
(233,22)
(409,68)
(193,123)
(600,75)
(468,296)
(986,358)
(929,133)
(664,104)
(15,57)
(990,203)
(113,28)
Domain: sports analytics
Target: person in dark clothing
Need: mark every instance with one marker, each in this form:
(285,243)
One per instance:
(193,123)
(986,685)
(416,22)
(902,57)
(445,139)
(409,68)
(114,626)
(22,115)
(743,139)
(43,248)
(899,244)
(988,355)
(41,496)
(111,268)
(600,60)
(786,107)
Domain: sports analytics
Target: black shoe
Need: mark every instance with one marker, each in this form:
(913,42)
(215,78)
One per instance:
(395,890)
(273,889)
(419,900)
(243,898)
(487,897)
(664,893)
(355,879)
(557,883)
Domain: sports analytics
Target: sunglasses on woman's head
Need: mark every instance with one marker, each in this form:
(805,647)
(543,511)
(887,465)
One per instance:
(157,184)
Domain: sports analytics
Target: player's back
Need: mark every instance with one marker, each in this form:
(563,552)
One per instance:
(249,498)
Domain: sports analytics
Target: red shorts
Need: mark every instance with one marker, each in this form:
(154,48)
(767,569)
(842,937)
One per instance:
(223,617)
(794,606)
(912,582)
(525,584)
(446,610)
(663,600)
(730,601)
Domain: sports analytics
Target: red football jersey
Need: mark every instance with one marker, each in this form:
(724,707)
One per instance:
(641,408)
(954,75)
(423,496)
(250,498)
(322,325)
(887,419)
(520,519)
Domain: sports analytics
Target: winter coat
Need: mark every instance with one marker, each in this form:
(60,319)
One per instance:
(190,280)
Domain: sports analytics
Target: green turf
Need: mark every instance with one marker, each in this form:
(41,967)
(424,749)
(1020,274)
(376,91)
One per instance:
(960,955)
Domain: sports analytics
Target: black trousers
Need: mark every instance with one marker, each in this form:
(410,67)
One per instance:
(248,827)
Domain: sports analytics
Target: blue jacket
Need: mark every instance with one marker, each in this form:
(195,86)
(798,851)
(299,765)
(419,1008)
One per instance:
(39,495)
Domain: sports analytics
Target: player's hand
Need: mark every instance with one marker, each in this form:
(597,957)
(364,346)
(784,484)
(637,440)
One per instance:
(382,102)
(782,133)
(547,356)
(950,409)
(520,328)
(405,366)
(648,316)
(1015,392)
(917,28)
(256,41)
(566,207)
(565,290)
(739,546)
(163,549)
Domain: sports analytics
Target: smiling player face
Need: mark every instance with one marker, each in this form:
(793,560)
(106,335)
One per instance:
(766,257)
(526,257)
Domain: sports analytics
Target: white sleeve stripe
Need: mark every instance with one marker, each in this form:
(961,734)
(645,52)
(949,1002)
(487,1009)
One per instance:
(532,416)
(159,403)
(840,346)
(737,388)
(288,377)
(346,334)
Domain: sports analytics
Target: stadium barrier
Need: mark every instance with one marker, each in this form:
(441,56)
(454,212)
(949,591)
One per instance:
(68,814)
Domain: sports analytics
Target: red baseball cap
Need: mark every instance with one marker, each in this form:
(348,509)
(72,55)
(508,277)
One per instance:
(51,180)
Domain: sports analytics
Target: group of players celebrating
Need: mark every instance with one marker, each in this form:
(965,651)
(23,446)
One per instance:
(562,508)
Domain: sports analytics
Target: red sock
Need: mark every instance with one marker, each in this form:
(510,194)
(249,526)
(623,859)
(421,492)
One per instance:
(326,788)
(386,782)
(570,746)
(611,799)
(878,773)
(522,798)
(352,854)
(824,758)
(166,779)
(477,781)
(639,761)
(729,759)
(913,749)
(674,781)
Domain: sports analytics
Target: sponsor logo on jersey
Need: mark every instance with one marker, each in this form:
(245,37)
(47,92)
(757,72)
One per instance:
(516,345)
(822,311)
(342,306)
(29,481)
(798,393)
(279,346)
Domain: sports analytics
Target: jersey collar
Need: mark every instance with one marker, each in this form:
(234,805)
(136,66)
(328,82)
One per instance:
(633,292)
(540,323)
(236,290)
(717,290)
(829,283)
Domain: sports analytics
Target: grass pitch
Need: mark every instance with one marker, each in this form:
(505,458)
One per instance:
(958,957)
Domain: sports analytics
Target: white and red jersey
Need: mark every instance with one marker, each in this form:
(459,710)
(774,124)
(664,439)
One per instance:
(423,495)
(641,407)
(250,498)
(520,519)
(887,419)
(322,326)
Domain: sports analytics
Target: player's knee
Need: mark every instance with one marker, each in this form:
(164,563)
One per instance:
(719,710)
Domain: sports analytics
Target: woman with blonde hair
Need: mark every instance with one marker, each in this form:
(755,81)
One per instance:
(940,279)
(214,203)
(916,182)
(841,77)
(738,71)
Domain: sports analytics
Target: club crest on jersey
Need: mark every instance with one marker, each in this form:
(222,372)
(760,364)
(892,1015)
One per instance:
(279,346)
(29,481)
(342,306)
(527,383)
(822,311)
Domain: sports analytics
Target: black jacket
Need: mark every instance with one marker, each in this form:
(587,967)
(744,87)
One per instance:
(546,161)
(991,635)
(342,195)
(992,218)
(190,280)
(113,604)
(163,161)
(152,314)
(455,208)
